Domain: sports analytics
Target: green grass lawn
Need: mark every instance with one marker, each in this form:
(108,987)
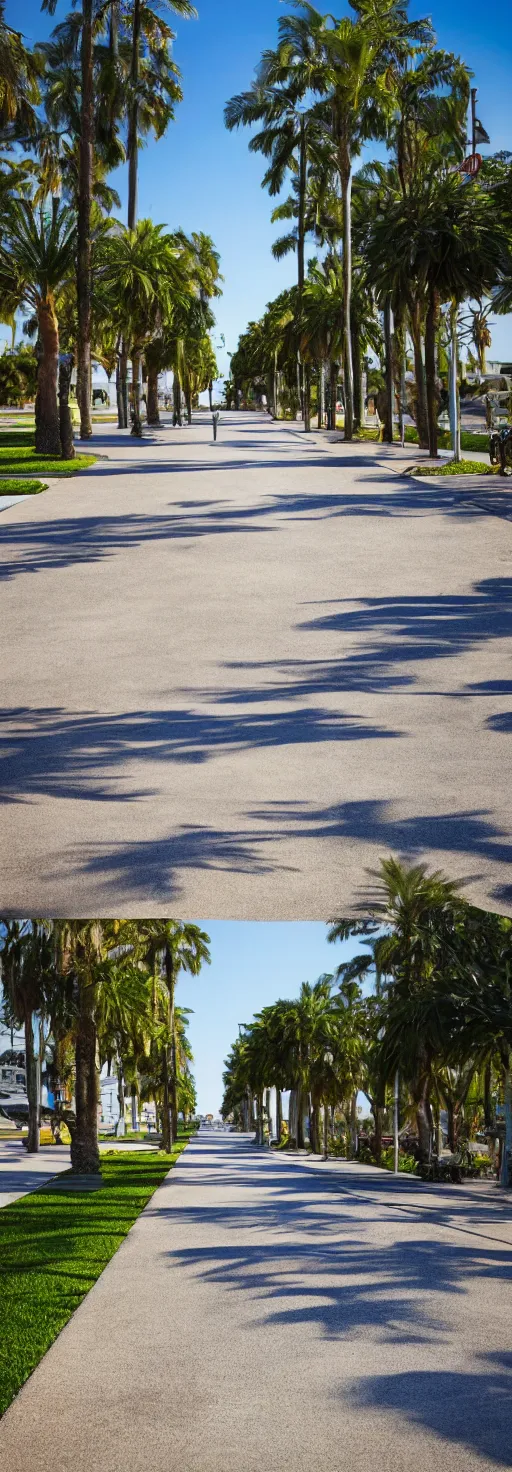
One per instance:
(53,1247)
(21,487)
(18,457)
(462,467)
(468,439)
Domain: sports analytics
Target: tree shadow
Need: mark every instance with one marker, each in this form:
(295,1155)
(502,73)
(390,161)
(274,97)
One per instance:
(472,832)
(472,1409)
(82,754)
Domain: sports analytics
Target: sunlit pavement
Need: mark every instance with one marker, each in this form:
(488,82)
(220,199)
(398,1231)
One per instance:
(236,675)
(265,1314)
(21,1173)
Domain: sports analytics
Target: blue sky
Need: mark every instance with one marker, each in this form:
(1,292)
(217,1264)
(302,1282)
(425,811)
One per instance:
(201,177)
(253,964)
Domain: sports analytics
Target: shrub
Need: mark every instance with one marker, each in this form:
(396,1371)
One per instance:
(405,1162)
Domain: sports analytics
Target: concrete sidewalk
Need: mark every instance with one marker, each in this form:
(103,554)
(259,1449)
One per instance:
(235,675)
(260,1315)
(21,1173)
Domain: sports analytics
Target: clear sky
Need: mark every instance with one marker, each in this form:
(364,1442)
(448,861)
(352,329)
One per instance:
(253,964)
(201,177)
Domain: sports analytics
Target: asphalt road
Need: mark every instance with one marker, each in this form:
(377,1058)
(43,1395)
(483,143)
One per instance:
(236,675)
(262,1314)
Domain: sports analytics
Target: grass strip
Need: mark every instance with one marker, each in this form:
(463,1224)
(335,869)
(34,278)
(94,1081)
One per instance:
(53,1247)
(24,460)
(14,487)
(459,467)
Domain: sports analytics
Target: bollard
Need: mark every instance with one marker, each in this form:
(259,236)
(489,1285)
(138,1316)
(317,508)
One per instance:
(215,420)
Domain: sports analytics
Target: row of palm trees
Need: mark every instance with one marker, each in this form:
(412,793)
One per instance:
(407,242)
(438,1013)
(91,286)
(101,991)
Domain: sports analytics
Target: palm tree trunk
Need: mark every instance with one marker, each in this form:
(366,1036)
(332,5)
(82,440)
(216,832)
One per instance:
(83,267)
(353,1124)
(506,1159)
(333,385)
(65,420)
(488,1109)
(419,374)
(424,1122)
(210,395)
(293,1115)
(430,369)
(279,1115)
(120,1126)
(377,1149)
(32,1068)
(306,395)
(356,360)
(301,1142)
(137,421)
(121,387)
(320,394)
(153,413)
(188,404)
(47,440)
(174,1083)
(166,1110)
(301,237)
(85,1158)
(133,120)
(346,192)
(390,382)
(315,1130)
(176,393)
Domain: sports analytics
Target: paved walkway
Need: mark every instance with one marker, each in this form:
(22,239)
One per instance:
(262,1314)
(21,1173)
(236,675)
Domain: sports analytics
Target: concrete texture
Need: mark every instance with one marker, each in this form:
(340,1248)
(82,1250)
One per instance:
(263,1314)
(21,1173)
(236,675)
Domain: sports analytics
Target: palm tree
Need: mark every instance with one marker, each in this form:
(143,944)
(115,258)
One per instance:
(36,261)
(153,81)
(27,974)
(290,138)
(173,946)
(142,280)
(418,910)
(20,73)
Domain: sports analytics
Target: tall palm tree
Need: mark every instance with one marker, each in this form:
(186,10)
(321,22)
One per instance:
(290,137)
(37,256)
(173,946)
(417,909)
(142,279)
(153,81)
